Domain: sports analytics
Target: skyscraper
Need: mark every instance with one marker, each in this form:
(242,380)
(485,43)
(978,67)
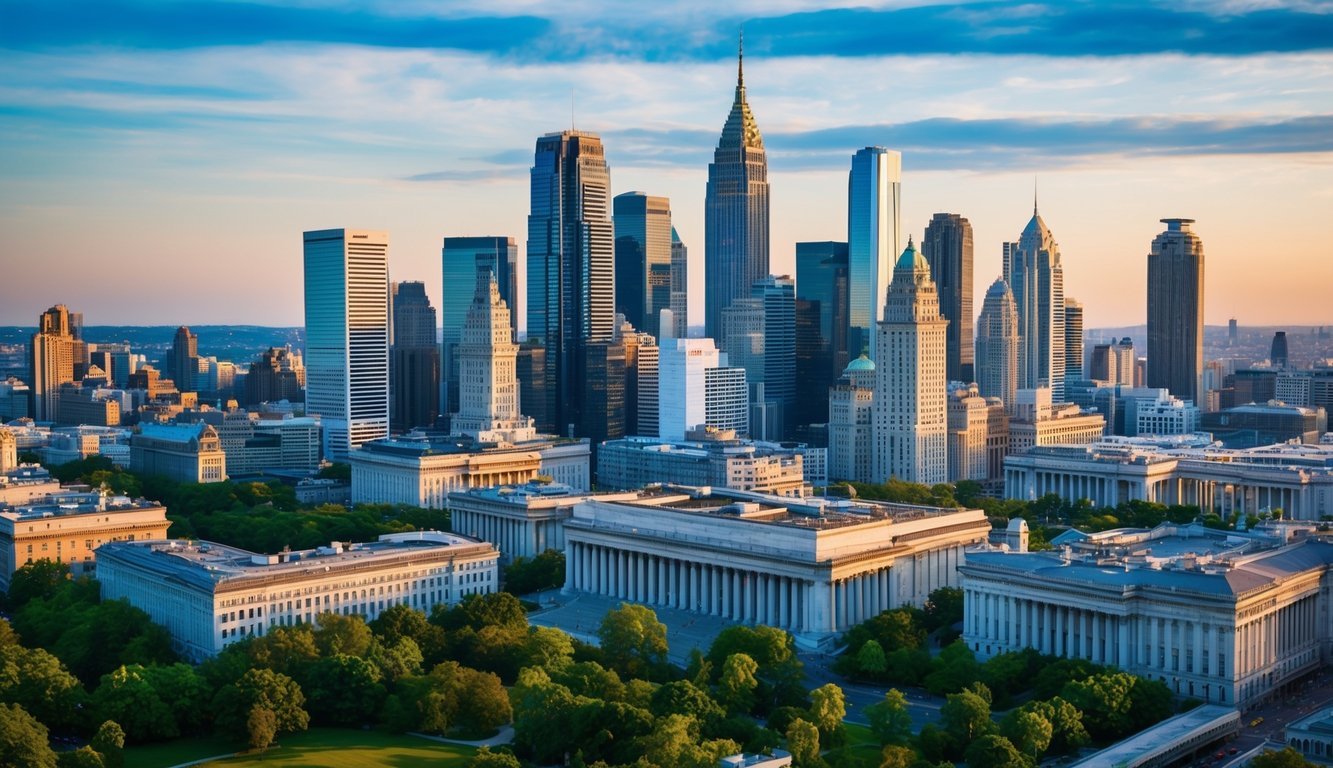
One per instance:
(735,211)
(347,336)
(821,326)
(460,257)
(1034,274)
(54,351)
(948,248)
(414,360)
(778,295)
(874,188)
(1175,311)
(997,344)
(1277,353)
(680,282)
(184,361)
(644,282)
(1073,340)
(489,410)
(571,267)
(910,407)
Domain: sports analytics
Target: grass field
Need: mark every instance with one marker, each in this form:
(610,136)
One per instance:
(316,748)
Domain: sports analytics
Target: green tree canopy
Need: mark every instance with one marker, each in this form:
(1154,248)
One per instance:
(262,688)
(803,743)
(1287,757)
(737,683)
(889,718)
(23,740)
(633,640)
(828,707)
(993,751)
(965,716)
(337,634)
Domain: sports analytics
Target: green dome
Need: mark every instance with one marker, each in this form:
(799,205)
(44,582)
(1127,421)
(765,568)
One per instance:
(912,258)
(861,363)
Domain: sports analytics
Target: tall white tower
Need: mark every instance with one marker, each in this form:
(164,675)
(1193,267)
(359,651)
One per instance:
(487,361)
(347,336)
(910,411)
(874,192)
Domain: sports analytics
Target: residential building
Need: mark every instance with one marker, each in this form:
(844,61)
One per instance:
(998,344)
(347,336)
(644,239)
(1033,271)
(460,258)
(874,235)
(705,457)
(947,247)
(1175,311)
(735,211)
(187,453)
(851,421)
(821,324)
(414,359)
(210,595)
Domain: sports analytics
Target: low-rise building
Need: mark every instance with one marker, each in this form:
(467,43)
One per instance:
(1037,421)
(1223,617)
(706,457)
(1312,736)
(188,453)
(851,403)
(67,525)
(1247,426)
(813,566)
(210,595)
(24,483)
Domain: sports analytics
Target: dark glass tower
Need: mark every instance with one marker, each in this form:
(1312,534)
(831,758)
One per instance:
(644,283)
(735,212)
(460,259)
(184,359)
(1175,311)
(948,248)
(821,326)
(414,360)
(571,273)
(1278,353)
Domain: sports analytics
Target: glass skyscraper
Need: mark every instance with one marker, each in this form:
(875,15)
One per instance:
(821,326)
(948,248)
(414,360)
(571,273)
(735,212)
(874,190)
(644,284)
(1034,274)
(347,336)
(1175,312)
(460,258)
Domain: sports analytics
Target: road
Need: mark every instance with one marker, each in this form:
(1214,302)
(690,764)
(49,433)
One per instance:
(923,707)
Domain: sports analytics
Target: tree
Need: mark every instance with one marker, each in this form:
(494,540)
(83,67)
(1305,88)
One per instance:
(496,609)
(263,688)
(944,608)
(1150,702)
(736,684)
(337,634)
(803,743)
(23,740)
(399,621)
(895,756)
(36,681)
(485,758)
(870,659)
(285,649)
(993,751)
(398,660)
(1287,757)
(38,579)
(633,639)
(1028,731)
(527,575)
(126,696)
(1105,701)
(828,707)
(1067,731)
(343,690)
(781,673)
(965,716)
(953,670)
(261,726)
(83,757)
(889,718)
(109,741)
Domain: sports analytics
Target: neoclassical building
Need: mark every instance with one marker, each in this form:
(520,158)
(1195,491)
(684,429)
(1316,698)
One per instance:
(190,453)
(520,520)
(813,566)
(1217,616)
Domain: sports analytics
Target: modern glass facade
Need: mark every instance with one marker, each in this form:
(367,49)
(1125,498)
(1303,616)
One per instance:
(948,248)
(1175,312)
(874,191)
(644,270)
(460,259)
(414,360)
(1034,274)
(821,326)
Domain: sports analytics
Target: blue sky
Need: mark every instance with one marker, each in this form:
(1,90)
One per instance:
(160,160)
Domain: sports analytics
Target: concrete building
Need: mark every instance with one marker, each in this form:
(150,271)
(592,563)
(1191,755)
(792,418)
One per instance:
(997,345)
(726,404)
(874,237)
(54,350)
(210,595)
(183,360)
(1217,616)
(258,442)
(9,451)
(487,358)
(851,421)
(278,374)
(968,436)
(347,336)
(1036,420)
(460,258)
(947,247)
(1248,426)
(1113,362)
(91,405)
(1312,735)
(642,358)
(26,483)
(188,453)
(910,413)
(66,526)
(688,397)
(1175,311)
(1033,271)
(704,457)
(813,566)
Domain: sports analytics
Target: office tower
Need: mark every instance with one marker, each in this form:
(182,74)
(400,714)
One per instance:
(531,371)
(1278,353)
(743,339)
(726,402)
(460,257)
(641,354)
(910,417)
(778,297)
(603,391)
(489,409)
(54,352)
(414,360)
(1113,362)
(347,336)
(644,238)
(1034,274)
(1175,311)
(680,277)
(997,344)
(851,423)
(947,246)
(682,403)
(278,374)
(1231,332)
(968,437)
(874,188)
(1073,340)
(571,265)
(735,211)
(183,365)
(821,326)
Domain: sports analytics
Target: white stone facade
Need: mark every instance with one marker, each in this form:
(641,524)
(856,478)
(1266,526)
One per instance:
(522,520)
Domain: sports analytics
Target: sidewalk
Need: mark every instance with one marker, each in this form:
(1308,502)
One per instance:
(505,736)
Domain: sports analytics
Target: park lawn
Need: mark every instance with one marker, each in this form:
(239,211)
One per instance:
(321,747)
(176,752)
(857,735)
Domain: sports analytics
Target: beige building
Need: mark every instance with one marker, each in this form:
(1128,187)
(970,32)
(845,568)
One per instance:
(67,526)
(54,350)
(1037,421)
(80,405)
(969,422)
(189,453)
(851,403)
(9,451)
(210,595)
(1223,617)
(812,566)
(25,484)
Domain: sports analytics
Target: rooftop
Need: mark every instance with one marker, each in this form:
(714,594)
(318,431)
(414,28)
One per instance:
(420,444)
(74,502)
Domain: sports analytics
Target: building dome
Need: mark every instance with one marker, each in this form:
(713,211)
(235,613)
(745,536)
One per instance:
(912,258)
(998,288)
(860,364)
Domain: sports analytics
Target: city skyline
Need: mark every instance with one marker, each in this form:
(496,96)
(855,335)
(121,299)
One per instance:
(226,128)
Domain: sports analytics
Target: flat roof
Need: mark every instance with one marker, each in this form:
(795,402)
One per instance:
(72,503)
(816,512)
(1166,733)
(1315,722)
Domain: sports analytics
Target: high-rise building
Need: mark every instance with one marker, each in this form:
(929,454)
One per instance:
(997,344)
(735,211)
(821,327)
(460,258)
(910,416)
(184,361)
(1278,352)
(644,237)
(54,351)
(726,403)
(1033,271)
(489,410)
(874,192)
(278,374)
(1073,340)
(969,422)
(850,423)
(682,400)
(571,289)
(414,360)
(1113,362)
(603,373)
(947,246)
(531,373)
(778,297)
(1175,311)
(347,336)
(680,282)
(641,355)
(1231,332)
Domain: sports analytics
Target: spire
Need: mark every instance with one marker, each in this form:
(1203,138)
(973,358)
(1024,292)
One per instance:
(1034,194)
(740,60)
